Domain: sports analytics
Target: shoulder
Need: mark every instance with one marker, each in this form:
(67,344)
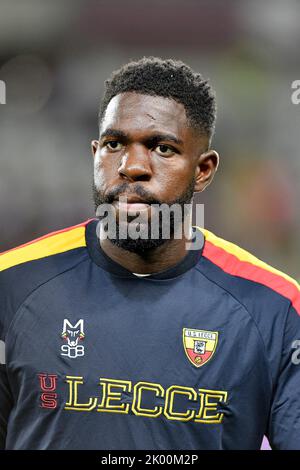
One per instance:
(270,297)
(28,266)
(48,245)
(253,282)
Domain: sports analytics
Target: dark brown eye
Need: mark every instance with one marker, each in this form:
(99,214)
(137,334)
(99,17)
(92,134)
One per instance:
(164,150)
(113,145)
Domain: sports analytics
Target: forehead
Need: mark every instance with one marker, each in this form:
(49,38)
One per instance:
(132,112)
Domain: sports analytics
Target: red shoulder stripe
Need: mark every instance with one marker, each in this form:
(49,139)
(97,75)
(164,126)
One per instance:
(253,271)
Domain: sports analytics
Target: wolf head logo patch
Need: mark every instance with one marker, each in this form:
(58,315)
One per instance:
(72,335)
(199,345)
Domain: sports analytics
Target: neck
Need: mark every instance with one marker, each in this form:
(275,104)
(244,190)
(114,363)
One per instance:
(155,260)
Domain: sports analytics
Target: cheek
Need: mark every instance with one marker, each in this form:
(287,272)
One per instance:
(174,177)
(104,170)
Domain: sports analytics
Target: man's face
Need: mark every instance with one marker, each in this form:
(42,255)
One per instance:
(147,152)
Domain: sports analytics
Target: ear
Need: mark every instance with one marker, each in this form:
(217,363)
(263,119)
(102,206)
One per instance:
(208,163)
(94,147)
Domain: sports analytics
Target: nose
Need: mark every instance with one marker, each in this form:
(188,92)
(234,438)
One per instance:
(136,165)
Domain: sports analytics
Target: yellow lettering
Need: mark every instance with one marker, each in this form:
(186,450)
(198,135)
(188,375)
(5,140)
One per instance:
(137,394)
(210,400)
(109,397)
(72,403)
(169,404)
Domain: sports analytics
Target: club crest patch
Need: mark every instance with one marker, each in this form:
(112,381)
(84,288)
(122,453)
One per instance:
(199,345)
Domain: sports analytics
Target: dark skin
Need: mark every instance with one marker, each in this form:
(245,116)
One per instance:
(148,140)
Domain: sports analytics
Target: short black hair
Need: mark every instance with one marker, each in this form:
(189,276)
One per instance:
(170,79)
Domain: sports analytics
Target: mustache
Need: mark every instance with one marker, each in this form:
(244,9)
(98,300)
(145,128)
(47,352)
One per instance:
(126,189)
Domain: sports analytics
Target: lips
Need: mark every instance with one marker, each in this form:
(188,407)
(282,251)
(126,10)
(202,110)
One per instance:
(131,207)
(131,204)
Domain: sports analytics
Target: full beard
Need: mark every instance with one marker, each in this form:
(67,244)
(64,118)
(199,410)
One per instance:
(145,242)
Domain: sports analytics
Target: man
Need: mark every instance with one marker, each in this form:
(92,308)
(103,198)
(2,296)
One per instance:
(149,342)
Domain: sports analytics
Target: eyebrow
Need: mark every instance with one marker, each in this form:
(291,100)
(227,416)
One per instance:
(113,133)
(153,139)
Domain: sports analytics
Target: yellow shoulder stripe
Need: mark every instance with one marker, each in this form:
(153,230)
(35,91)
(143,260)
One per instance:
(44,246)
(244,256)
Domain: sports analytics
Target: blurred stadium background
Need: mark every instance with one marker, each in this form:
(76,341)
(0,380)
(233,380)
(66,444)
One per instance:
(54,58)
